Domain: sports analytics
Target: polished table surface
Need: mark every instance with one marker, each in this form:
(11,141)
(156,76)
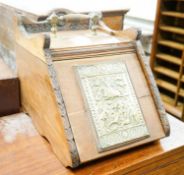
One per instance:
(24,152)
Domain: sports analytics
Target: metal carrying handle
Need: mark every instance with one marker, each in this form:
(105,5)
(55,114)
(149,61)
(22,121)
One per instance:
(55,20)
(95,23)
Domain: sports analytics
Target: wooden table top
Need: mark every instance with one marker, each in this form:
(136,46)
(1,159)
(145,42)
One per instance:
(24,152)
(80,6)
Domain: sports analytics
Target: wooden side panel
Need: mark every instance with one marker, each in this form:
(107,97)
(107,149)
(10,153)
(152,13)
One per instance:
(78,116)
(115,19)
(38,100)
(114,22)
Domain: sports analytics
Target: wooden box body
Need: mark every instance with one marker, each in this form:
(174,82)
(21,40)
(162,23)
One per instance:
(51,95)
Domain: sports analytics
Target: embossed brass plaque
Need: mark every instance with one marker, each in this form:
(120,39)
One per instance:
(112,104)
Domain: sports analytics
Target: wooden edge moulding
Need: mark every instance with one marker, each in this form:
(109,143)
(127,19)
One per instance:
(52,97)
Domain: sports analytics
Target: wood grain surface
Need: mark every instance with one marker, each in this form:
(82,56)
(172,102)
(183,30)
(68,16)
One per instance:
(40,102)
(24,151)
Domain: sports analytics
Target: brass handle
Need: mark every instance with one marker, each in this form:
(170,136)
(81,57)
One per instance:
(54,20)
(95,20)
(95,23)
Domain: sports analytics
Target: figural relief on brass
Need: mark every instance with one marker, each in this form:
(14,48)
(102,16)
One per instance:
(112,104)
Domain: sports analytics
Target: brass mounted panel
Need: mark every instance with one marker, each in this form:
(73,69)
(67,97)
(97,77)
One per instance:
(112,104)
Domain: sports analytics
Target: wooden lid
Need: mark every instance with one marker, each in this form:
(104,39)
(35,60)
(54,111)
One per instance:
(83,38)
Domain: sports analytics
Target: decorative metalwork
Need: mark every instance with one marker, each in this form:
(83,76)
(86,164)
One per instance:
(54,21)
(95,18)
(59,22)
(112,104)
